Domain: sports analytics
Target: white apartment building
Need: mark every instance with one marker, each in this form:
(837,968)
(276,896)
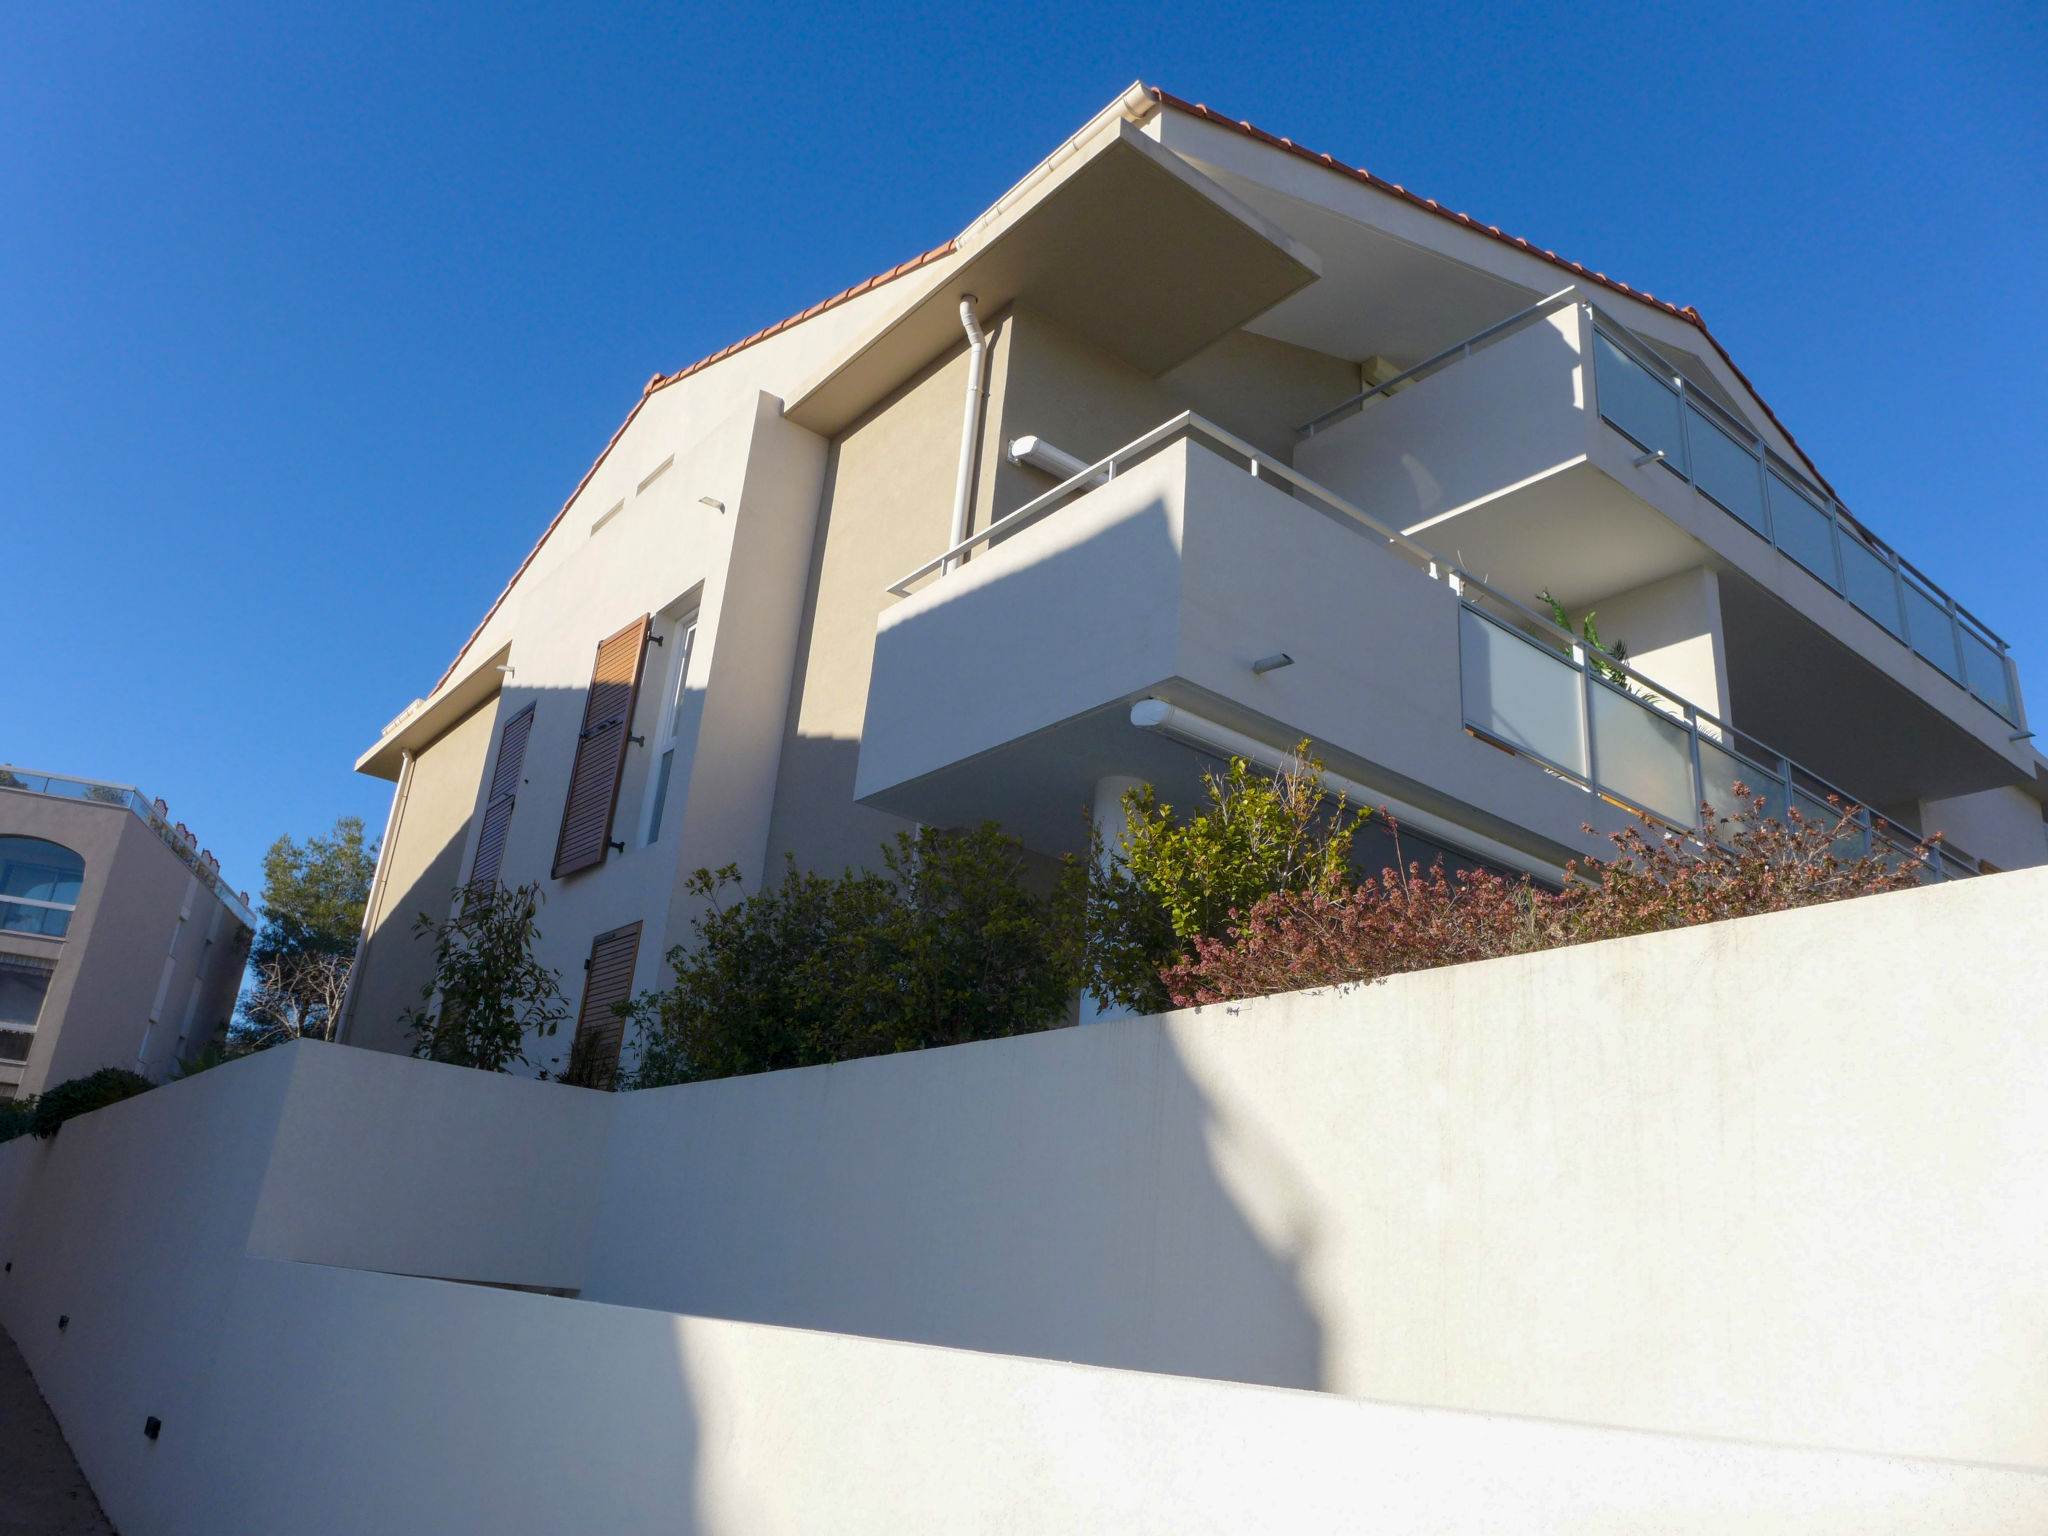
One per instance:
(1195,442)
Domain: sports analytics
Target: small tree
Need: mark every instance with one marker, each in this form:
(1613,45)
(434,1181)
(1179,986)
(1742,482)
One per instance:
(944,944)
(1172,881)
(488,992)
(313,898)
(293,996)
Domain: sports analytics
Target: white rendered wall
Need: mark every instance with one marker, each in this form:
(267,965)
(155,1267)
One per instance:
(1780,1179)
(1500,418)
(1738,1181)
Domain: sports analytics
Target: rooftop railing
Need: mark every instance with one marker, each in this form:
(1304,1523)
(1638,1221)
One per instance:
(174,835)
(1529,685)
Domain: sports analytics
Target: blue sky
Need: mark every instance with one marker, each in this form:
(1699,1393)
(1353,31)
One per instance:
(309,320)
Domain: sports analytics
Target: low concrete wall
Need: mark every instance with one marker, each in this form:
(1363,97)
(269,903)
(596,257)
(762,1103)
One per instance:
(346,1402)
(1777,1181)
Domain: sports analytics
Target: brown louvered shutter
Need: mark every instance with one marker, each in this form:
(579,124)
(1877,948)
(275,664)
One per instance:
(600,1031)
(601,751)
(490,841)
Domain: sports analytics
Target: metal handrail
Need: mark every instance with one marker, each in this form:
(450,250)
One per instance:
(186,847)
(1539,628)
(1455,352)
(1647,357)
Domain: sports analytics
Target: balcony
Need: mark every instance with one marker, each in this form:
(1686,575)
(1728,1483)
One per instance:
(1559,451)
(1003,682)
(1692,437)
(154,814)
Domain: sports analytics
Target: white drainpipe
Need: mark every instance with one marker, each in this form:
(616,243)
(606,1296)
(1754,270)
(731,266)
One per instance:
(1220,740)
(970,425)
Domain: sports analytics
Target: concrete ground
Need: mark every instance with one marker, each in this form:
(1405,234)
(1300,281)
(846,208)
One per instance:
(42,1492)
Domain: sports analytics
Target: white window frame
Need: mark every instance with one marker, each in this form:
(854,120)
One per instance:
(681,639)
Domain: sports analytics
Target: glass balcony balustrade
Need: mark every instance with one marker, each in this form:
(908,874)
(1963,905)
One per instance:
(1604,728)
(152,812)
(1650,403)
(1530,686)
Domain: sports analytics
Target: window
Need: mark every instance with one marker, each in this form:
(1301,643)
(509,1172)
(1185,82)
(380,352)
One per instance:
(684,638)
(23,982)
(39,884)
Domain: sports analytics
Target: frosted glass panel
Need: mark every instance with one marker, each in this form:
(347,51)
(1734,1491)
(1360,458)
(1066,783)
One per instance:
(1728,472)
(1933,636)
(1986,671)
(1720,772)
(1868,581)
(1803,530)
(1643,755)
(1640,405)
(1521,693)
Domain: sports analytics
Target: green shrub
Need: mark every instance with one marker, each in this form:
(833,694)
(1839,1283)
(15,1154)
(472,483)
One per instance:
(1171,881)
(487,991)
(17,1117)
(82,1095)
(945,945)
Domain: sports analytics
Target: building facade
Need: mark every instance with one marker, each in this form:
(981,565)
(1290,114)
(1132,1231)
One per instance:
(120,944)
(1194,443)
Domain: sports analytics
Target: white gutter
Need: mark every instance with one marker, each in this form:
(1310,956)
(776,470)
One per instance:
(970,424)
(1221,741)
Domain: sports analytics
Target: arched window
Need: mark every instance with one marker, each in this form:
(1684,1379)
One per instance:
(39,884)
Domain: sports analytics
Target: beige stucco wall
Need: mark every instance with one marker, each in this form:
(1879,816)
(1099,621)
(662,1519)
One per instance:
(417,872)
(888,500)
(1672,629)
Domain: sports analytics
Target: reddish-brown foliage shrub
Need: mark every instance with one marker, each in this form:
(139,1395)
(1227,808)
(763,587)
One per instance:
(1415,920)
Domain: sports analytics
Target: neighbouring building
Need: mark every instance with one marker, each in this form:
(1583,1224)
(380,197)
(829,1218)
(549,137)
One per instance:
(1195,443)
(120,944)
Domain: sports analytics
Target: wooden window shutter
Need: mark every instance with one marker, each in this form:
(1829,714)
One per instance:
(601,751)
(600,1031)
(490,842)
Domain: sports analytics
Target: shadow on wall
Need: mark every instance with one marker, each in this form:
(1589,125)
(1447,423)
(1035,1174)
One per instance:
(1073,1196)
(815,816)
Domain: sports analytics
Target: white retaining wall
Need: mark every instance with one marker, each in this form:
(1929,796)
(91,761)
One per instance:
(1780,1180)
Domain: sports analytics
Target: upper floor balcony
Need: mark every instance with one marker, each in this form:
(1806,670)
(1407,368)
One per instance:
(1189,570)
(1559,451)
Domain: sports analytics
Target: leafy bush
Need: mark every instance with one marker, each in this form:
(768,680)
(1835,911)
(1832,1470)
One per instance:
(1169,882)
(488,991)
(17,1116)
(1409,920)
(81,1095)
(945,945)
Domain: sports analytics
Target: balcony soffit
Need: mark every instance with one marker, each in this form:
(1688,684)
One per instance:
(1379,294)
(1128,246)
